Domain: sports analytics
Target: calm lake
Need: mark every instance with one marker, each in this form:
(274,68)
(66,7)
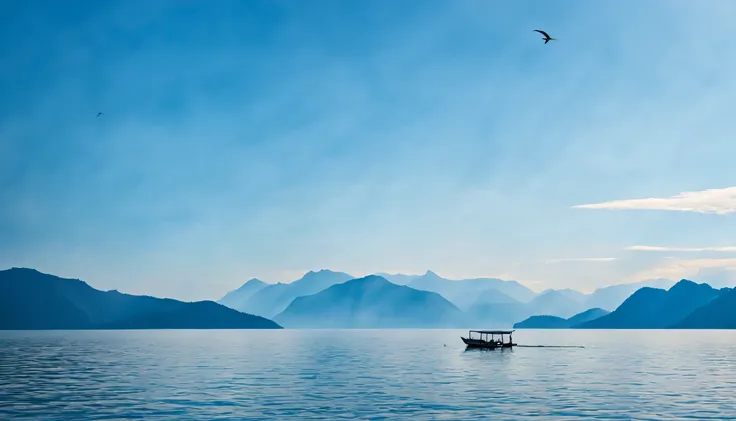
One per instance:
(365,375)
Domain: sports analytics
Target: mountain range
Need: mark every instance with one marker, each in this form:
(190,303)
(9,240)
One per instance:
(33,300)
(465,292)
(685,305)
(719,313)
(235,298)
(478,292)
(505,313)
(554,322)
(654,308)
(371,302)
(484,301)
(397,278)
(610,297)
(272,299)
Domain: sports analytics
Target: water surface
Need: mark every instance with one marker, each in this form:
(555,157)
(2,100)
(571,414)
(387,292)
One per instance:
(365,375)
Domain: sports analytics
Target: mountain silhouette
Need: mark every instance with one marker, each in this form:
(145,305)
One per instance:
(570,294)
(653,308)
(397,278)
(493,296)
(500,315)
(553,322)
(463,293)
(33,300)
(610,297)
(555,303)
(238,298)
(505,312)
(586,316)
(720,313)
(273,299)
(542,322)
(371,302)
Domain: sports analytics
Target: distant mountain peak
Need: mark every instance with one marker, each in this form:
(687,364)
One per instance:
(431,273)
(15,268)
(371,301)
(235,299)
(320,272)
(656,308)
(27,271)
(686,287)
(684,283)
(273,299)
(372,279)
(250,283)
(30,273)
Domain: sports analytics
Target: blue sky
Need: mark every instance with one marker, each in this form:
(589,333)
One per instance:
(269,138)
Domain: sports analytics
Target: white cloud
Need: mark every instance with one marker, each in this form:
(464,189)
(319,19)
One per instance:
(718,201)
(684,268)
(686,249)
(581,259)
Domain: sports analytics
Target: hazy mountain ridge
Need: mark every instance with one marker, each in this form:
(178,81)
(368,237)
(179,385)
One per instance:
(570,294)
(553,322)
(275,298)
(463,293)
(654,308)
(241,295)
(506,314)
(587,315)
(482,300)
(397,278)
(33,300)
(371,302)
(555,303)
(612,296)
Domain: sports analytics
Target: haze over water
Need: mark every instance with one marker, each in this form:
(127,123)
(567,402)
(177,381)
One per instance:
(366,375)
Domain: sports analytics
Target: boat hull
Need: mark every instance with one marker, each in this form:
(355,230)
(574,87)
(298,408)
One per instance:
(477,343)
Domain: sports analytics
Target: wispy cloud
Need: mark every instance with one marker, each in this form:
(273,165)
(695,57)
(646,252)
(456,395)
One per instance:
(684,268)
(685,249)
(581,259)
(717,201)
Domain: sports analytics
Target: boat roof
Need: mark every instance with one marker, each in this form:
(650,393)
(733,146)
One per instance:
(494,332)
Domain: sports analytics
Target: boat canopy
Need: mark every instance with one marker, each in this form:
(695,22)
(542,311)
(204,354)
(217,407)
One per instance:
(493,332)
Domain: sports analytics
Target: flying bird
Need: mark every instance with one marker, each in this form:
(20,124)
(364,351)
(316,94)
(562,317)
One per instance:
(99,114)
(546,38)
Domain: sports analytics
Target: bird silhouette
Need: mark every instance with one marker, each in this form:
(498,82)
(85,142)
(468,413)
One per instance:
(99,114)
(546,38)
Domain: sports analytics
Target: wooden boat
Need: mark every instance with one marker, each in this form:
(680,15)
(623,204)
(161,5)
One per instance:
(490,339)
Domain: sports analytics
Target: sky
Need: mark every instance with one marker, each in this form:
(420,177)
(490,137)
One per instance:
(268,138)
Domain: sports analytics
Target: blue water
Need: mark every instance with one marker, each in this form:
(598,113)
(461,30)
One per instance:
(365,375)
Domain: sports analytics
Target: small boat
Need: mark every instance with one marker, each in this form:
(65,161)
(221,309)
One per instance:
(490,339)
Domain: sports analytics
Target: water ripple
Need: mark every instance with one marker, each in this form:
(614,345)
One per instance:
(365,375)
